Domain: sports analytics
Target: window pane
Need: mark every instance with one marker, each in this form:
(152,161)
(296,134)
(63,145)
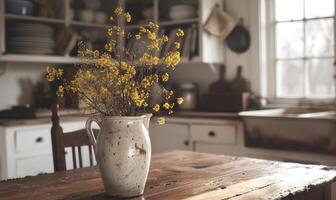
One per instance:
(290,79)
(320,75)
(320,37)
(289,40)
(288,9)
(319,8)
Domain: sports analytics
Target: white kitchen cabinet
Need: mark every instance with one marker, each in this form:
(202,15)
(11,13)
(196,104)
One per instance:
(168,137)
(26,150)
(220,136)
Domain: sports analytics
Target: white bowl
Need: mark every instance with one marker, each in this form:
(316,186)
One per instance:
(100,17)
(92,4)
(86,15)
(179,15)
(148,13)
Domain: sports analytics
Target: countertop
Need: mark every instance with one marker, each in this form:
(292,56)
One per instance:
(83,117)
(188,175)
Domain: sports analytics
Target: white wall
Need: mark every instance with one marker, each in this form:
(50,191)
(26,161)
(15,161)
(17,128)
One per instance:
(204,75)
(17,81)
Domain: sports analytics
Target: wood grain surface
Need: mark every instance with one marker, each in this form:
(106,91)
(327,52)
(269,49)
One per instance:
(188,175)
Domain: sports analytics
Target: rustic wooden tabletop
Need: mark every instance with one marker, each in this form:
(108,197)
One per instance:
(188,175)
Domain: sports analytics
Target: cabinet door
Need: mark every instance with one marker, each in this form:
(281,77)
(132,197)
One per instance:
(169,137)
(34,165)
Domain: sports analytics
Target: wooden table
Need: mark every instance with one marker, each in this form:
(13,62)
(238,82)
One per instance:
(182,174)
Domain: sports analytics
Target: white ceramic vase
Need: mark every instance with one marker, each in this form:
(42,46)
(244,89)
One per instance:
(123,152)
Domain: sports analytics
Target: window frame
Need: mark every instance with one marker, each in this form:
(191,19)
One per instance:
(270,58)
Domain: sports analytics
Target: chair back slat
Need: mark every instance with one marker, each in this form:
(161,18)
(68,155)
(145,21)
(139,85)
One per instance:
(80,156)
(74,159)
(74,140)
(90,155)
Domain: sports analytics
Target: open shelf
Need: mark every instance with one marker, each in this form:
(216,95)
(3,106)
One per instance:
(89,25)
(160,16)
(179,22)
(34,19)
(39,58)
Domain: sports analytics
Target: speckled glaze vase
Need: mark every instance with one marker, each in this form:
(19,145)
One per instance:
(123,152)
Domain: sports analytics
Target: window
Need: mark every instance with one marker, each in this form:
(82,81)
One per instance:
(304,49)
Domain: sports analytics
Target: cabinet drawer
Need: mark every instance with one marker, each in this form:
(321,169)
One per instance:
(34,165)
(222,134)
(33,140)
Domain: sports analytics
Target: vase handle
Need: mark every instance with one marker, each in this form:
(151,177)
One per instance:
(90,133)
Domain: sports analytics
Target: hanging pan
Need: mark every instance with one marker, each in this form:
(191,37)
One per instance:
(239,39)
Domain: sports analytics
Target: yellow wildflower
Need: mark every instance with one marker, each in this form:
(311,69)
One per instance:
(165,77)
(179,100)
(127,17)
(53,73)
(109,47)
(179,33)
(156,107)
(145,83)
(170,112)
(137,99)
(165,38)
(166,105)
(118,11)
(138,36)
(177,45)
(149,60)
(152,25)
(172,59)
(96,53)
(110,31)
(60,91)
(161,120)
(151,35)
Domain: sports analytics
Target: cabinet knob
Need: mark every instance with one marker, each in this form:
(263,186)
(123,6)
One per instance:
(39,139)
(186,143)
(212,134)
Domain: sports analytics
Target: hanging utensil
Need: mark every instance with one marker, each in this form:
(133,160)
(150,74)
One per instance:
(239,40)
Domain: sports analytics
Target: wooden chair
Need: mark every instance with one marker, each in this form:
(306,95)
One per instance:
(75,140)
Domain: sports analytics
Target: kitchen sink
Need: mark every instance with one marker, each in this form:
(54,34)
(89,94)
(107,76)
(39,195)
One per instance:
(299,129)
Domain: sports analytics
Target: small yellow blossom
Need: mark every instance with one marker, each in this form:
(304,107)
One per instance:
(166,105)
(60,91)
(145,104)
(156,107)
(145,83)
(165,38)
(118,11)
(110,31)
(172,59)
(149,60)
(165,77)
(53,73)
(127,17)
(170,112)
(151,35)
(179,100)
(109,47)
(138,36)
(161,120)
(177,45)
(179,33)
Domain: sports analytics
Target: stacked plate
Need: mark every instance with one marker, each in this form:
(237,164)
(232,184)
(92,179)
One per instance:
(30,38)
(182,11)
